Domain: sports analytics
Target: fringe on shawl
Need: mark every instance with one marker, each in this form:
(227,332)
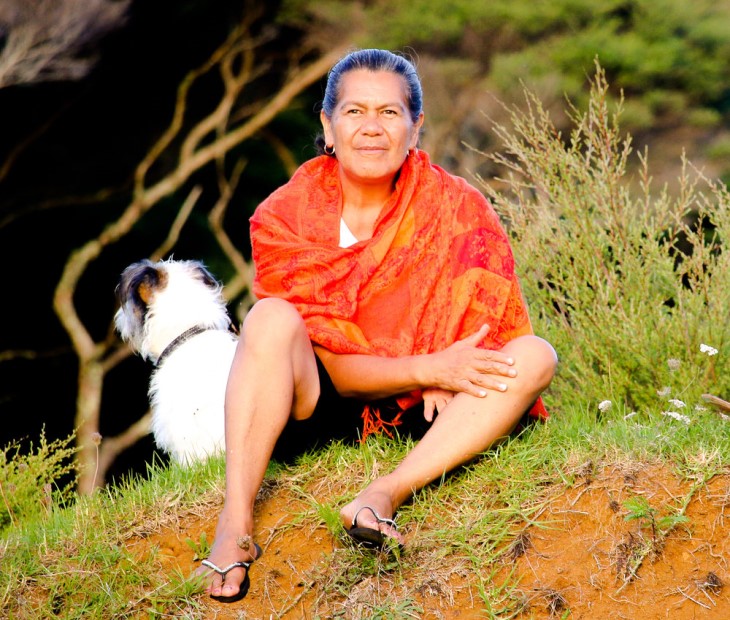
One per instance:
(374,424)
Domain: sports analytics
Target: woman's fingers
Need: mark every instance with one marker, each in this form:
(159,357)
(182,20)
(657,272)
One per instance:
(466,367)
(435,401)
(480,375)
(476,338)
(478,384)
(429,407)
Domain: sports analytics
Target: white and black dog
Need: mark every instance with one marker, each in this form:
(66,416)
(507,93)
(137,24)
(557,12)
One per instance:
(173,314)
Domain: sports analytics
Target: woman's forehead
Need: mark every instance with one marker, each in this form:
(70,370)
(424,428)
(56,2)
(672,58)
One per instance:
(372,87)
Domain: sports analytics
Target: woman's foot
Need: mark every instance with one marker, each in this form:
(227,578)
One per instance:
(227,564)
(372,509)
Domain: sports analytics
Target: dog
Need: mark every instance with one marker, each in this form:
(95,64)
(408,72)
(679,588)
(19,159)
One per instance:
(172,313)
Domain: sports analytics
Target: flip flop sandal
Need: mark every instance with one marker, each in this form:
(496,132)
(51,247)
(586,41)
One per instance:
(368,536)
(245,584)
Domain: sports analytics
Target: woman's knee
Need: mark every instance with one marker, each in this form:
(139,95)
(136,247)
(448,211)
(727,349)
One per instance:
(535,359)
(272,322)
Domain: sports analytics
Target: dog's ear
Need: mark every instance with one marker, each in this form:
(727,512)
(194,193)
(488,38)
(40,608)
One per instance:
(149,280)
(145,290)
(207,277)
(139,282)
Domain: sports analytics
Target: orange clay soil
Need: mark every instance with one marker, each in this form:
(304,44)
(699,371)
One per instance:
(581,558)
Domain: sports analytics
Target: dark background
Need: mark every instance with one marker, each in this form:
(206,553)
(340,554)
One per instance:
(94,132)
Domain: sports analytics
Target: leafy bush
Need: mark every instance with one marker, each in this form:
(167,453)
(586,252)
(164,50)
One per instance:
(626,285)
(31,483)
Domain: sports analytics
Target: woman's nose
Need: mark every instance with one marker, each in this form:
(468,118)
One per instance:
(371,124)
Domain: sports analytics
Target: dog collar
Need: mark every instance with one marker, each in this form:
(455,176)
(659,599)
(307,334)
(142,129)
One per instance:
(181,339)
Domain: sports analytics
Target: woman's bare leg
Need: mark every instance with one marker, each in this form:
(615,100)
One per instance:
(468,426)
(273,376)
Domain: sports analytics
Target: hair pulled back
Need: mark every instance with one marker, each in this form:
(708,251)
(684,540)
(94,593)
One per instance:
(372,60)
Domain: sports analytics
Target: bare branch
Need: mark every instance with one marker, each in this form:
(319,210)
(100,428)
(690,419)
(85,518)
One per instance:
(112,447)
(210,140)
(147,198)
(717,402)
(244,270)
(52,40)
(30,354)
(282,150)
(182,217)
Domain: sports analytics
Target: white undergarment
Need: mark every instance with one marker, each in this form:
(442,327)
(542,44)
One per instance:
(346,237)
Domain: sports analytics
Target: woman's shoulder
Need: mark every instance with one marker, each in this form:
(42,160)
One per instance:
(316,173)
(315,177)
(308,204)
(468,205)
(450,181)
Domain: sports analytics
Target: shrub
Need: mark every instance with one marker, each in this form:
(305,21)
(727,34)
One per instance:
(619,279)
(32,483)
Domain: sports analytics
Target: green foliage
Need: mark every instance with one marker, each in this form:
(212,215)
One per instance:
(201,548)
(670,56)
(626,285)
(34,482)
(77,561)
(392,610)
(639,509)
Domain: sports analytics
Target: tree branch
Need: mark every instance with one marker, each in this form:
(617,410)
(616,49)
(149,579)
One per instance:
(192,158)
(49,40)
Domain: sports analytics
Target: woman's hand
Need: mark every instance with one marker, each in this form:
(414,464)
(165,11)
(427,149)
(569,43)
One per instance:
(464,367)
(435,401)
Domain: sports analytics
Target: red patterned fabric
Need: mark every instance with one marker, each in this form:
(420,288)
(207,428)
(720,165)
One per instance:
(439,264)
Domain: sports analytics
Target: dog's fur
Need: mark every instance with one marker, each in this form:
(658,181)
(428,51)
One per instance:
(157,303)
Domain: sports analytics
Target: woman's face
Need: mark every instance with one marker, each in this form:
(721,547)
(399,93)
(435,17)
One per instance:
(371,127)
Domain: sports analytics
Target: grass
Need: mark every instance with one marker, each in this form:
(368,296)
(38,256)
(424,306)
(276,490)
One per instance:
(73,561)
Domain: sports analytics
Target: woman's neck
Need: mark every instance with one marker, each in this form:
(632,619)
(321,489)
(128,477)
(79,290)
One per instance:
(365,195)
(361,206)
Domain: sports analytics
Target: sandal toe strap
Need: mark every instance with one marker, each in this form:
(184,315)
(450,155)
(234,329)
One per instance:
(378,518)
(224,571)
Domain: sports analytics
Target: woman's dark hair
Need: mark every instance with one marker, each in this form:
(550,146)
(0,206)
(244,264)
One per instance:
(372,60)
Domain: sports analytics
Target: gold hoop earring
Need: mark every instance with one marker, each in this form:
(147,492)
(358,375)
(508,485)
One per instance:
(329,149)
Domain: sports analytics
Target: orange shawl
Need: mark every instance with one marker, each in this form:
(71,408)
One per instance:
(439,265)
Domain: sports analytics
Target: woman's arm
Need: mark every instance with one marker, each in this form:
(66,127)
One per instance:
(370,377)
(462,367)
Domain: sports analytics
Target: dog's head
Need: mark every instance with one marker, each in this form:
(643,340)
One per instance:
(158,301)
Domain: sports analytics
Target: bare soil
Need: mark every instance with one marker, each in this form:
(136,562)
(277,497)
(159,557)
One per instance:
(581,558)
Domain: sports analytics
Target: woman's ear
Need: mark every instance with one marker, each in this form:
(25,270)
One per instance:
(416,131)
(326,125)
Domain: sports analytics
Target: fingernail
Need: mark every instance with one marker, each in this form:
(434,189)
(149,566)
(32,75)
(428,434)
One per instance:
(502,387)
(482,393)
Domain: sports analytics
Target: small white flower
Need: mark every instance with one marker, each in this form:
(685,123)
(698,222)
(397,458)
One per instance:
(706,348)
(700,408)
(629,415)
(677,416)
(604,405)
(725,417)
(665,391)
(673,364)
(677,403)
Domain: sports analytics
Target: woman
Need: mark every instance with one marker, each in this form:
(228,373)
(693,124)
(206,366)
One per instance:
(386,286)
